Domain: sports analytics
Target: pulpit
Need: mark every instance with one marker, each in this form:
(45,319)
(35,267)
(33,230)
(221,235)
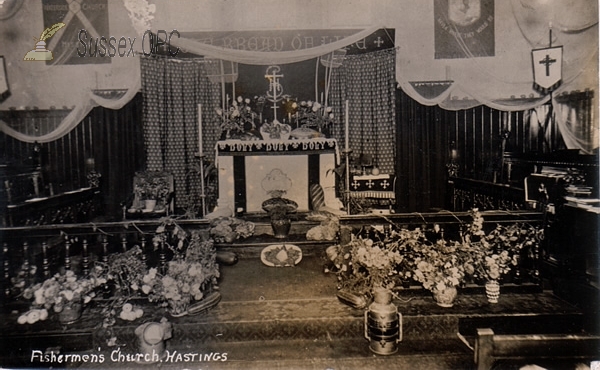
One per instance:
(245,168)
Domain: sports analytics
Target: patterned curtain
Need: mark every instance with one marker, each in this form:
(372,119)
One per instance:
(367,81)
(172,91)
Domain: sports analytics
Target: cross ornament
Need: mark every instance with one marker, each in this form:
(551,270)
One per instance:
(547,61)
(378,42)
(355,184)
(370,184)
(385,184)
(275,89)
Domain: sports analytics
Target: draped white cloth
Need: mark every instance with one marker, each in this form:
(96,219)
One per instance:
(503,81)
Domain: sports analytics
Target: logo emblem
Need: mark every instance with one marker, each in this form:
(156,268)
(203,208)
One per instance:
(40,53)
(464,12)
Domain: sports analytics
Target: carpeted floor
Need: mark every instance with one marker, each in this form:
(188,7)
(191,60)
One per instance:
(290,318)
(251,280)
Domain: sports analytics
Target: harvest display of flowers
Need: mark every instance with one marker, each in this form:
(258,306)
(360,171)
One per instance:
(58,292)
(394,257)
(187,278)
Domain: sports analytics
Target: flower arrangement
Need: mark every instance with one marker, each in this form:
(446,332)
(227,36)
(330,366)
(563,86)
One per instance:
(490,256)
(376,262)
(188,277)
(314,115)
(393,257)
(439,266)
(59,292)
(123,274)
(237,118)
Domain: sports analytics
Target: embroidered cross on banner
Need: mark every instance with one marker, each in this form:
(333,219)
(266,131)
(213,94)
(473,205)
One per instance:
(385,184)
(370,184)
(547,61)
(355,184)
(547,68)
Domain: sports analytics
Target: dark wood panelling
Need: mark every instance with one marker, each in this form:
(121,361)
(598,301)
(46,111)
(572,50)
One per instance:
(112,137)
(426,136)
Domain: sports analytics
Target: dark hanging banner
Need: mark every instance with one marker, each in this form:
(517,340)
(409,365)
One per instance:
(88,15)
(464,28)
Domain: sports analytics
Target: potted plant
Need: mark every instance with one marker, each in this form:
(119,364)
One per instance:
(153,188)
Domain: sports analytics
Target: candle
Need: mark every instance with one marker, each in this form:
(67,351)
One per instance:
(200,129)
(347,129)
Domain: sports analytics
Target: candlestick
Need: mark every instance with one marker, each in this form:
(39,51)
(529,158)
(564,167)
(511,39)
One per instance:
(200,129)
(347,128)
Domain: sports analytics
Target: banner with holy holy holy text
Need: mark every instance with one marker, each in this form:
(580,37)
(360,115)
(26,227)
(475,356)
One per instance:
(547,68)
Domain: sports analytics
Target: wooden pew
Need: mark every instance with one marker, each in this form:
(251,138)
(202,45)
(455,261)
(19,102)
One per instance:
(490,347)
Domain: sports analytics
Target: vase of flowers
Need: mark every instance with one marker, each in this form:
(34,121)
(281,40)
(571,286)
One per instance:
(364,265)
(238,119)
(153,188)
(491,256)
(315,116)
(444,295)
(440,270)
(492,291)
(65,294)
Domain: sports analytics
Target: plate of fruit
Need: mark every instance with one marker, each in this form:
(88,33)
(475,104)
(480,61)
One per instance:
(281,255)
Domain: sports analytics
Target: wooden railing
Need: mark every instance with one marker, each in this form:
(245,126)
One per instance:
(55,248)
(33,253)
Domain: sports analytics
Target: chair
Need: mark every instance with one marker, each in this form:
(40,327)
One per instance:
(152,184)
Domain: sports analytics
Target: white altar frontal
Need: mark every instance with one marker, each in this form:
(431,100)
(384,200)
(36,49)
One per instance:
(248,169)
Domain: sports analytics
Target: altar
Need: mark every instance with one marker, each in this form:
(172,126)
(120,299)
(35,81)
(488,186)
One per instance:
(245,167)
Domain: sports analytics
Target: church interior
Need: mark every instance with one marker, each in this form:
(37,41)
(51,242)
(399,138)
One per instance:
(341,184)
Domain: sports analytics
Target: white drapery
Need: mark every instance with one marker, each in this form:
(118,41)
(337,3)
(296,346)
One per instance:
(502,82)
